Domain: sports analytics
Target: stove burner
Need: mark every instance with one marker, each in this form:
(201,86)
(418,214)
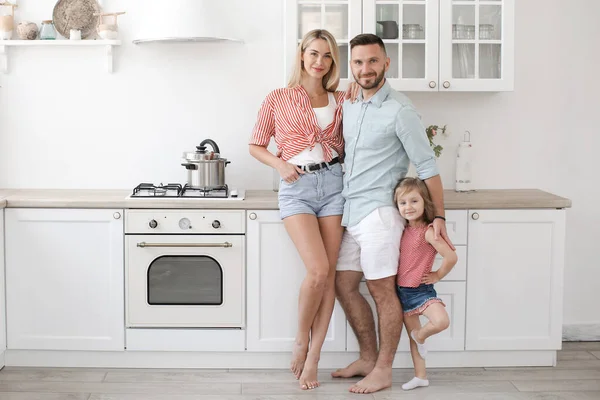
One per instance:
(150,190)
(217,193)
(176,190)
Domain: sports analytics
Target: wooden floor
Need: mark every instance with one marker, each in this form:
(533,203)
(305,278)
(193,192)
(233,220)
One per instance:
(577,376)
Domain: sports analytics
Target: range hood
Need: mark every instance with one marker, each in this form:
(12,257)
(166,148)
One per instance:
(174,21)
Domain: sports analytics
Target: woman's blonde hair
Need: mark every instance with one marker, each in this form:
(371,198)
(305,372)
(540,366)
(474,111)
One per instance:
(332,79)
(406,185)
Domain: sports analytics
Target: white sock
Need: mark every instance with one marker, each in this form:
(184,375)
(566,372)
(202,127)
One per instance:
(415,383)
(420,347)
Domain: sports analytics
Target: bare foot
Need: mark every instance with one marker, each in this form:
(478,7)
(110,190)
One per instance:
(298,358)
(378,379)
(359,367)
(308,379)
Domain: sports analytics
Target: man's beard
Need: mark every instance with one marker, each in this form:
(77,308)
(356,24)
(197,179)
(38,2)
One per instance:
(376,82)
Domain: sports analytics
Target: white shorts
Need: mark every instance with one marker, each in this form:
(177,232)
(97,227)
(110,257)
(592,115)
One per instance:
(373,245)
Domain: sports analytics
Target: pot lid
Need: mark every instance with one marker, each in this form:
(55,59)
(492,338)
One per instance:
(202,154)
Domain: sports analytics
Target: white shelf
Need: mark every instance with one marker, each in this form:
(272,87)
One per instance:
(107,44)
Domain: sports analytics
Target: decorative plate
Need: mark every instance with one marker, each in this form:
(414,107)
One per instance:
(76,14)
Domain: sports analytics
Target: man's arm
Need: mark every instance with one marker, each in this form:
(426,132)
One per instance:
(434,184)
(411,133)
(436,190)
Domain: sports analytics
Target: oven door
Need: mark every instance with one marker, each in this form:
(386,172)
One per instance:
(185,281)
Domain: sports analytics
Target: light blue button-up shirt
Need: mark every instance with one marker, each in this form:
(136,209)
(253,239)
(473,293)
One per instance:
(383,136)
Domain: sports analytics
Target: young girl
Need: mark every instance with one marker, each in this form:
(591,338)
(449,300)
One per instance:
(418,248)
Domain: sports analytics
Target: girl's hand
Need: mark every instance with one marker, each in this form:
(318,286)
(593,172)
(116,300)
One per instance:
(352,92)
(431,278)
(289,172)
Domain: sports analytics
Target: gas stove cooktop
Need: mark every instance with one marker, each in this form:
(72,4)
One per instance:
(176,190)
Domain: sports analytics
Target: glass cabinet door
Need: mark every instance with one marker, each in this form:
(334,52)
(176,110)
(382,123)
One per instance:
(340,17)
(409,29)
(476,45)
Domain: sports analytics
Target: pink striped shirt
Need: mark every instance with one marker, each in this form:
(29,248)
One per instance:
(287,115)
(416,256)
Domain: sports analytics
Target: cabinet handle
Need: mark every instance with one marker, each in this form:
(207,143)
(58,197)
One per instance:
(432,84)
(117,215)
(224,244)
(446,84)
(475,216)
(252,216)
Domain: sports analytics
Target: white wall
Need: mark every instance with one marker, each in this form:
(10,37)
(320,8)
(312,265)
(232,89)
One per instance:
(66,123)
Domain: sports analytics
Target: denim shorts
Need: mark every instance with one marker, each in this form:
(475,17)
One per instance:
(415,300)
(318,193)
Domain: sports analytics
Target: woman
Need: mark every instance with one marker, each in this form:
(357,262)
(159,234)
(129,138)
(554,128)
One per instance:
(305,118)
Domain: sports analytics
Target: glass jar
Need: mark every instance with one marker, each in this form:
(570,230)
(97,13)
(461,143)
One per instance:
(47,31)
(486,31)
(412,31)
(459,31)
(470,32)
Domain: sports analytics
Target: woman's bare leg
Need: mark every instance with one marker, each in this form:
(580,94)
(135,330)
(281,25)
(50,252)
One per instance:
(304,231)
(331,232)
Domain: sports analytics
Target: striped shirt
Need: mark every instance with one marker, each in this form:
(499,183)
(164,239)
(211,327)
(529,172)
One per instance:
(416,256)
(287,115)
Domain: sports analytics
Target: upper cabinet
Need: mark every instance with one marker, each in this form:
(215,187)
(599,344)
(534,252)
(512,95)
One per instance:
(343,18)
(434,45)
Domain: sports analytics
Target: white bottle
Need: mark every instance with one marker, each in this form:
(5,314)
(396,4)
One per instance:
(464,156)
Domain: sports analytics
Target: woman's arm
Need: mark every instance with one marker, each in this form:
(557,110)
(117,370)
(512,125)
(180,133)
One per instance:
(287,171)
(448,255)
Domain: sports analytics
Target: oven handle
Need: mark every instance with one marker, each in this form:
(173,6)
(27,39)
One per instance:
(224,244)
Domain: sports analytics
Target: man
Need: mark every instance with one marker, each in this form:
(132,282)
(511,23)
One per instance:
(383,134)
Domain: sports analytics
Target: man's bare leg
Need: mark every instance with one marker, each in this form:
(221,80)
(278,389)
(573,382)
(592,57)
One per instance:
(390,320)
(360,316)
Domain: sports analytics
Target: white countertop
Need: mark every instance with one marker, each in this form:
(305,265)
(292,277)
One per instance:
(256,200)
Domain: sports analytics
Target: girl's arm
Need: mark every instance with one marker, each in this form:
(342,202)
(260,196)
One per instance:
(449,257)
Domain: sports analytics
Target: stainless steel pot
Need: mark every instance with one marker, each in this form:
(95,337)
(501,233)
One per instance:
(206,169)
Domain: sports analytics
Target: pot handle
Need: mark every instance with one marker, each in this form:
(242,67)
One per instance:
(227,162)
(190,166)
(212,143)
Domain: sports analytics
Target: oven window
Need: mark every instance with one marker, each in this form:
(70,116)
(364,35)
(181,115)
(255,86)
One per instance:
(185,280)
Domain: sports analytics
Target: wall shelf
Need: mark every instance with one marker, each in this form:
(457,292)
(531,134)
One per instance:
(107,44)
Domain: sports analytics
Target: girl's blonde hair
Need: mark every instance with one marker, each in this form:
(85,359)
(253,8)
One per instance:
(406,185)
(332,79)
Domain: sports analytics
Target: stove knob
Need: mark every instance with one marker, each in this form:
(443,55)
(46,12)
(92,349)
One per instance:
(216,224)
(153,224)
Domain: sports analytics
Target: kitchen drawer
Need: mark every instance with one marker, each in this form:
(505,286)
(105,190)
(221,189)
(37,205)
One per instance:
(456,226)
(200,221)
(459,272)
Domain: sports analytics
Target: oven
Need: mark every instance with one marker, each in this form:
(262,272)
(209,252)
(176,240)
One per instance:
(185,268)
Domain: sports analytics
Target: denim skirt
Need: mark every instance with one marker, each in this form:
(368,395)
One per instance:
(415,300)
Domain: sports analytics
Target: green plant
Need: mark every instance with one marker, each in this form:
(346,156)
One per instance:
(433,130)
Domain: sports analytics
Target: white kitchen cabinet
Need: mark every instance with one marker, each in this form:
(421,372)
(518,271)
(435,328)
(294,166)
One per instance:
(275,272)
(452,339)
(452,290)
(434,45)
(342,18)
(2,293)
(514,280)
(64,279)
